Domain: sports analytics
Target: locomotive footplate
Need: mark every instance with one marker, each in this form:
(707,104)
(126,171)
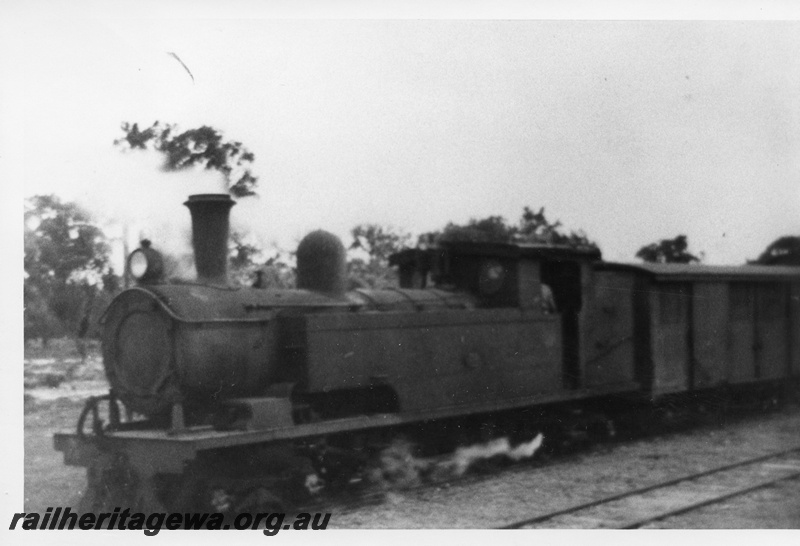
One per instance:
(168,450)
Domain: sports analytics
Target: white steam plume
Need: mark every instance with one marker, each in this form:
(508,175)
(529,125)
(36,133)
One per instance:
(464,457)
(137,193)
(398,467)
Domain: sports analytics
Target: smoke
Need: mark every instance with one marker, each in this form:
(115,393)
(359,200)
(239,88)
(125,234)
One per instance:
(133,198)
(398,466)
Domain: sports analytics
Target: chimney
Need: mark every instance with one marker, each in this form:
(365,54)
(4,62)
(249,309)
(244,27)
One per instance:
(210,212)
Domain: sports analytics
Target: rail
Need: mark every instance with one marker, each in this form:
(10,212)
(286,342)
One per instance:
(641,522)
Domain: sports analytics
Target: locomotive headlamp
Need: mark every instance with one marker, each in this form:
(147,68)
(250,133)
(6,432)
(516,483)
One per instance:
(145,264)
(138,264)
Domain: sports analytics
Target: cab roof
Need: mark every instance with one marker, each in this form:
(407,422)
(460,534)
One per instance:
(501,250)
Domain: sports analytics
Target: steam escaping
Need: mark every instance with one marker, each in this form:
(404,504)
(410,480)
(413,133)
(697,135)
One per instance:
(133,199)
(399,467)
(464,457)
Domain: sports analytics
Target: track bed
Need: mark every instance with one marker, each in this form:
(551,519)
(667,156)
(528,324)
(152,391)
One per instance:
(524,492)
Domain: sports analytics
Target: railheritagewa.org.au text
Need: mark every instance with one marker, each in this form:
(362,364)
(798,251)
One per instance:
(269,523)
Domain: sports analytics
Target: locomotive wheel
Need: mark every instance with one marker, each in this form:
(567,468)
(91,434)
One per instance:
(112,483)
(109,483)
(259,501)
(192,494)
(231,483)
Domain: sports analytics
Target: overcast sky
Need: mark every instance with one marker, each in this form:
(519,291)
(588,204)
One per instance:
(631,131)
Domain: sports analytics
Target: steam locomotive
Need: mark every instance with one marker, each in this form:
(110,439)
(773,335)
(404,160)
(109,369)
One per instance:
(229,397)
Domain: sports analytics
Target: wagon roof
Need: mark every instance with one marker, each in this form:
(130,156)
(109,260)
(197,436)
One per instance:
(678,272)
(523,250)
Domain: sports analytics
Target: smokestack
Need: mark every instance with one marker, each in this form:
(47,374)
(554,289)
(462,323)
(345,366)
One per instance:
(210,224)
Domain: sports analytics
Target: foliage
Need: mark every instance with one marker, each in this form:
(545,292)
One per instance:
(61,242)
(490,229)
(669,251)
(242,253)
(66,266)
(782,251)
(532,227)
(379,242)
(376,243)
(276,272)
(39,320)
(248,267)
(203,147)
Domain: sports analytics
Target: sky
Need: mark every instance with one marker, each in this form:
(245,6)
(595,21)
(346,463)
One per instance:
(632,131)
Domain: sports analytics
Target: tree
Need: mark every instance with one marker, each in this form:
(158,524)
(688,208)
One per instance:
(669,251)
(377,243)
(276,272)
(40,322)
(532,227)
(782,251)
(492,229)
(61,242)
(66,265)
(249,267)
(203,147)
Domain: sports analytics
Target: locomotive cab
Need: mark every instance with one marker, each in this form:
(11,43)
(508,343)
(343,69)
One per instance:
(550,279)
(501,274)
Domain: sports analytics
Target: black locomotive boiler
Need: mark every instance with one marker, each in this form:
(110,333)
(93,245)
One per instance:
(229,397)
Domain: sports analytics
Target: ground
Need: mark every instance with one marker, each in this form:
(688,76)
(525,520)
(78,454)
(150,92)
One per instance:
(56,384)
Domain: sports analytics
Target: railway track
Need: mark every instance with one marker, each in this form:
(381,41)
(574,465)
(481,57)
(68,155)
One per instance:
(644,506)
(357,497)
